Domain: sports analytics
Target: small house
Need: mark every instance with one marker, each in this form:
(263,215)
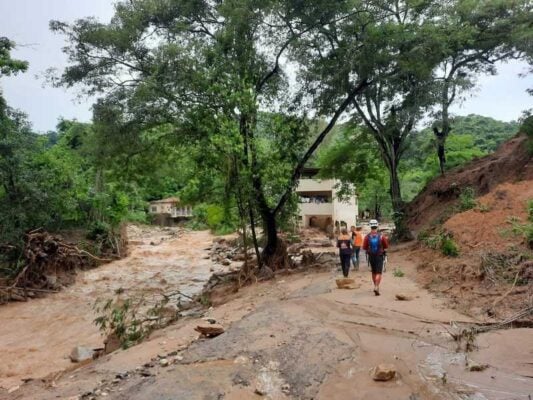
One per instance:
(169,210)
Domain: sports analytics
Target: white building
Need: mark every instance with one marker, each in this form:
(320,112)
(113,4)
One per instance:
(320,205)
(171,207)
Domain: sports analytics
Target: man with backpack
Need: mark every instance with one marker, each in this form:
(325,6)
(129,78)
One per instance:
(375,245)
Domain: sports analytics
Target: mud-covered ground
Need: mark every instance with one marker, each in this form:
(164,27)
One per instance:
(37,336)
(299,337)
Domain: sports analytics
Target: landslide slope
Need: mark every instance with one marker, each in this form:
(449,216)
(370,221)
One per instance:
(434,204)
(492,272)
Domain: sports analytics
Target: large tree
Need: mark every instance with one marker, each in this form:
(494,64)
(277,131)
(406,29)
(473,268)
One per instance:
(398,58)
(208,69)
(472,39)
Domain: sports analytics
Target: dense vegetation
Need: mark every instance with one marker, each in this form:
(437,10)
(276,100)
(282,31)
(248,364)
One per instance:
(223,103)
(354,159)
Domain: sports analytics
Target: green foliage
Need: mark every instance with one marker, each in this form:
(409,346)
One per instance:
(467,199)
(449,247)
(398,273)
(8,65)
(472,136)
(440,241)
(121,319)
(132,319)
(521,229)
(219,219)
(527,128)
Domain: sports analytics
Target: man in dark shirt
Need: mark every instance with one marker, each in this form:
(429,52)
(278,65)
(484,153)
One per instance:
(375,245)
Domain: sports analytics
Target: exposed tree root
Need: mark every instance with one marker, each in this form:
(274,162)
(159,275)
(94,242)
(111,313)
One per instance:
(46,261)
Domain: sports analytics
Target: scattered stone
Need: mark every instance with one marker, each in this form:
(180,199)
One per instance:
(384,372)
(80,353)
(178,358)
(226,262)
(239,380)
(403,297)
(286,389)
(164,362)
(210,330)
(475,367)
(345,283)
(241,360)
(13,389)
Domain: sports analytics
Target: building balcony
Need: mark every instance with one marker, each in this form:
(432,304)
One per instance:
(316,208)
(313,185)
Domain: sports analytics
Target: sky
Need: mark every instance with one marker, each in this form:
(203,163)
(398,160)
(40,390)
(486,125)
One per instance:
(26,22)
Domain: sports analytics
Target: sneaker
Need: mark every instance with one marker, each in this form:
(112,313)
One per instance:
(376,291)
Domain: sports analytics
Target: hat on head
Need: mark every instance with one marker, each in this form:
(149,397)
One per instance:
(373,223)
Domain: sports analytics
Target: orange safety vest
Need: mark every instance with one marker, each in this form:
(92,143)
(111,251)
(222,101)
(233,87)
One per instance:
(358,240)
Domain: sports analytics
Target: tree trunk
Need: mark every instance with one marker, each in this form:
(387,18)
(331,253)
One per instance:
(401,231)
(275,252)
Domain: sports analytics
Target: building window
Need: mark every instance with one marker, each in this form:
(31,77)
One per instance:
(154,208)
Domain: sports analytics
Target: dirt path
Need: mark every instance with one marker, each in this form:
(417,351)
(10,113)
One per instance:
(299,337)
(36,337)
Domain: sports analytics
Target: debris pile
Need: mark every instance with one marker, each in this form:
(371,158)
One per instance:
(48,263)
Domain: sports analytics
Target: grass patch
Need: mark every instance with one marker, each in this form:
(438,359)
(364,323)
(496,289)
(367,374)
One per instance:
(398,273)
(449,248)
(440,241)
(467,199)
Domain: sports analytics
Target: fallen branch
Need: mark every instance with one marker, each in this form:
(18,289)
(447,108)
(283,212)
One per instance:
(508,292)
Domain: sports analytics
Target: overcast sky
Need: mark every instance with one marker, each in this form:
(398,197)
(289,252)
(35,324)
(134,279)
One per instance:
(26,22)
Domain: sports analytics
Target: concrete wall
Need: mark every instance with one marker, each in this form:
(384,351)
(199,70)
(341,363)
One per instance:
(337,210)
(314,185)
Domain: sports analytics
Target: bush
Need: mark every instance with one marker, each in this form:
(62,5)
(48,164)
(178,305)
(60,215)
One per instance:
(527,128)
(467,199)
(449,247)
(398,273)
(214,217)
(99,231)
(440,241)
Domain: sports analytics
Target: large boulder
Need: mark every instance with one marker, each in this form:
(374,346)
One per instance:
(384,372)
(81,353)
(346,283)
(210,330)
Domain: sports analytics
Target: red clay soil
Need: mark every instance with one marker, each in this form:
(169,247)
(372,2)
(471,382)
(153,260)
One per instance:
(510,163)
(488,226)
(493,275)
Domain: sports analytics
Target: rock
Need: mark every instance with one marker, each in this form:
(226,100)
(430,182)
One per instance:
(384,372)
(286,389)
(164,362)
(112,343)
(210,330)
(80,353)
(475,367)
(226,262)
(13,389)
(265,273)
(345,283)
(403,297)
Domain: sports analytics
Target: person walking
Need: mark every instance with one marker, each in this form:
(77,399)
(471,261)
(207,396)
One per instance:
(345,250)
(375,244)
(357,243)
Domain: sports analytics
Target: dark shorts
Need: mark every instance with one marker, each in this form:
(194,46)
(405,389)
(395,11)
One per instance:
(376,263)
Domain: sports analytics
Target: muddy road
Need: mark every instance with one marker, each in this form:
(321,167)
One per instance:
(299,337)
(36,337)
